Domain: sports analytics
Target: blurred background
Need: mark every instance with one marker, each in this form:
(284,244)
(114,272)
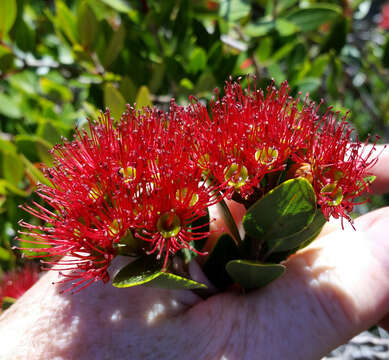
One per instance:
(62,61)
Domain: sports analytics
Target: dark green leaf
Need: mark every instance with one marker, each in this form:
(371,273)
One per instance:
(224,250)
(385,55)
(147,270)
(46,130)
(301,238)
(337,37)
(310,18)
(283,211)
(87,25)
(252,274)
(114,46)
(8,10)
(7,302)
(138,272)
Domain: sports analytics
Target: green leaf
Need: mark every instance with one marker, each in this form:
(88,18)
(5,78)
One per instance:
(234,10)
(7,302)
(337,37)
(118,5)
(174,282)
(285,27)
(66,21)
(47,131)
(283,211)
(257,29)
(143,98)
(34,172)
(6,58)
(8,107)
(12,168)
(53,89)
(8,10)
(43,149)
(87,25)
(385,55)
(147,270)
(308,84)
(310,18)
(300,239)
(114,47)
(197,60)
(114,100)
(214,267)
(253,274)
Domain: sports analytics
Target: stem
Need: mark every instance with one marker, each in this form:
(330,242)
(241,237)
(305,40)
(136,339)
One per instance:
(230,222)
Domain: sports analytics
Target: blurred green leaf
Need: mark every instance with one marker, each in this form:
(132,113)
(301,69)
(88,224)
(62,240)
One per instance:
(337,37)
(260,28)
(8,11)
(7,302)
(197,60)
(385,56)
(12,167)
(310,18)
(66,21)
(114,47)
(234,10)
(252,274)
(87,25)
(8,107)
(143,98)
(114,100)
(119,5)
(46,130)
(285,27)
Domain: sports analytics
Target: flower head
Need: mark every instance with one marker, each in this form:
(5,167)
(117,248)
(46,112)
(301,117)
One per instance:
(15,283)
(336,166)
(250,134)
(123,181)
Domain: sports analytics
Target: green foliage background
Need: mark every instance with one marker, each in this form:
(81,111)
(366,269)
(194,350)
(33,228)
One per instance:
(62,61)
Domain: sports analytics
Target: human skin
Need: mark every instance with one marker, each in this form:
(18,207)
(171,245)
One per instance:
(331,291)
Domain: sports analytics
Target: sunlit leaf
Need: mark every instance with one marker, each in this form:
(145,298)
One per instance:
(252,274)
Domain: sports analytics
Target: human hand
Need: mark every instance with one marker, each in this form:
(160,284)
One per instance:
(332,290)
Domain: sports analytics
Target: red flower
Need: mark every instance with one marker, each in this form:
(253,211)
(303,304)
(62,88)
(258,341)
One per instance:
(172,194)
(384,23)
(133,178)
(249,135)
(15,283)
(336,166)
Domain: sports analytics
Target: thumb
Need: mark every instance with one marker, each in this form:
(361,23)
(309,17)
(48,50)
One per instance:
(332,290)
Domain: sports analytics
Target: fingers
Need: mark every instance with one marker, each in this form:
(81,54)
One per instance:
(381,171)
(332,290)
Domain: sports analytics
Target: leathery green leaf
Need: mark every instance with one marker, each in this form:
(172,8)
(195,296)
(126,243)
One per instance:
(147,271)
(301,238)
(282,212)
(253,274)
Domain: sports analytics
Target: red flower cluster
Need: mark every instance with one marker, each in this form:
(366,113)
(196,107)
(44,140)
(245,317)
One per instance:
(15,283)
(136,186)
(384,23)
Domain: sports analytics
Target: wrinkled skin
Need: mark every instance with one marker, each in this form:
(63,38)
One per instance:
(332,290)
